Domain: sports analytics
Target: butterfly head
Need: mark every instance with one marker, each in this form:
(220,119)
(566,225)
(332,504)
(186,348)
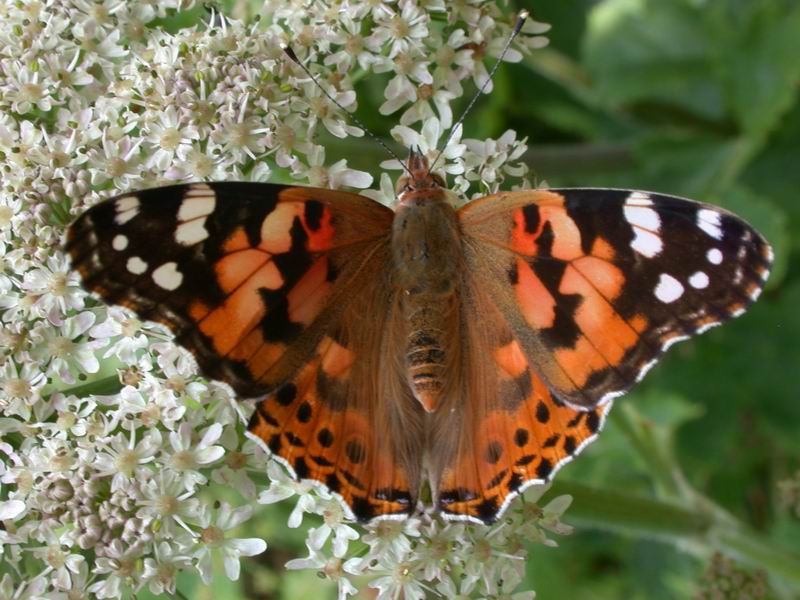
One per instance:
(419,184)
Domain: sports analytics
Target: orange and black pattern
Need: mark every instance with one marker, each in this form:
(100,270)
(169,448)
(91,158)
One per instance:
(288,294)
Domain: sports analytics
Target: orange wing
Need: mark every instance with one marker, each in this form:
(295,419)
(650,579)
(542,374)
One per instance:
(508,431)
(347,418)
(246,275)
(597,284)
(276,290)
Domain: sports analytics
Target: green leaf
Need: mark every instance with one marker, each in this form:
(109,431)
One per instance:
(757,59)
(641,49)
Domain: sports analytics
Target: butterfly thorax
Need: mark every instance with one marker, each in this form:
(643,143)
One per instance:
(426,249)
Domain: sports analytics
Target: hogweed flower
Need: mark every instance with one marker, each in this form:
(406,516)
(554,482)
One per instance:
(111,443)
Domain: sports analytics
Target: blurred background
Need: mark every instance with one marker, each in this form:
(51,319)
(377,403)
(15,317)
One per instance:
(687,97)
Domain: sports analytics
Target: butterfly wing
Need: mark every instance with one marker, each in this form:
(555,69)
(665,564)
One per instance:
(511,432)
(240,272)
(348,418)
(596,284)
(265,285)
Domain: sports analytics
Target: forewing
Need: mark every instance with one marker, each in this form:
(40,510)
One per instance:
(596,284)
(247,275)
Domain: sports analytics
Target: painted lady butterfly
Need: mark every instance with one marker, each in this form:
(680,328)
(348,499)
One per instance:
(474,350)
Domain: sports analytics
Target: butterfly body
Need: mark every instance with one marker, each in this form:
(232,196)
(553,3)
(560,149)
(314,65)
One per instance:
(427,253)
(476,350)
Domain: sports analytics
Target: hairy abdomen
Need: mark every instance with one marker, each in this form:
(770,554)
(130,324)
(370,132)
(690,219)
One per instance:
(426,245)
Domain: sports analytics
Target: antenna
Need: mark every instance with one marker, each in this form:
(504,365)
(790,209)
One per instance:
(290,53)
(523,15)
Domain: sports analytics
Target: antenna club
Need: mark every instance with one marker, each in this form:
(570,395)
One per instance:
(287,49)
(523,15)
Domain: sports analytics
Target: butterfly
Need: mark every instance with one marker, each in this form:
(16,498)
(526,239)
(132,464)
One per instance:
(460,355)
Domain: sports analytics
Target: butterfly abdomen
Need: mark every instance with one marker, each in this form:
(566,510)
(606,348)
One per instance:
(426,246)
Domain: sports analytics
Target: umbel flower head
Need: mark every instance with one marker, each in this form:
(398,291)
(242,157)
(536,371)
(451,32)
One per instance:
(112,447)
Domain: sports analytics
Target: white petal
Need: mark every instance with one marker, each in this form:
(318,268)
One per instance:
(247,546)
(11,509)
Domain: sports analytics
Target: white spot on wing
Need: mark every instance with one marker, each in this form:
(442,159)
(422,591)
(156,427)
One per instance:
(119,243)
(127,208)
(646,243)
(645,369)
(714,256)
(755,293)
(639,199)
(136,265)
(167,276)
(699,280)
(710,222)
(645,223)
(672,341)
(642,216)
(668,289)
(194,207)
(192,232)
(707,326)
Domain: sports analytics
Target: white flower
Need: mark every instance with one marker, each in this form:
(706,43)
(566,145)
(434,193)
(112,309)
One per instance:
(65,353)
(333,523)
(398,578)
(336,176)
(20,387)
(212,539)
(116,160)
(25,90)
(123,458)
(329,567)
(160,572)
(118,564)
(56,286)
(427,142)
(168,138)
(392,535)
(166,498)
(283,487)
(63,564)
(402,32)
(239,135)
(189,454)
(124,332)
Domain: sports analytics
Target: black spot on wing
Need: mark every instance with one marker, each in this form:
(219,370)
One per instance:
(313,211)
(286,394)
(486,511)
(542,412)
(497,479)
(521,437)
(544,468)
(304,412)
(532,218)
(325,437)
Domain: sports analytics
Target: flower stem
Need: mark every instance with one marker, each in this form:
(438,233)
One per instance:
(700,528)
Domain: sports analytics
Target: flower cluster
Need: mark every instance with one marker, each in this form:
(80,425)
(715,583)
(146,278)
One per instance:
(725,580)
(111,443)
(420,557)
